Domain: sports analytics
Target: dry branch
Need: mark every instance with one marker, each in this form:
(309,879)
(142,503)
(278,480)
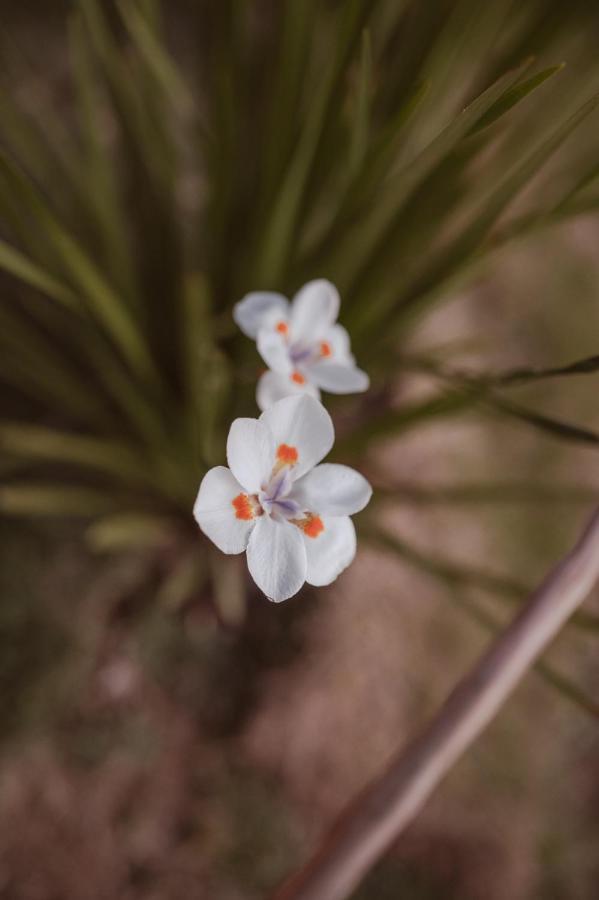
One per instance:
(373,822)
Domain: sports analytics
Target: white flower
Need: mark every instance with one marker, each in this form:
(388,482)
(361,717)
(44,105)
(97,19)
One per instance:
(300,343)
(290,514)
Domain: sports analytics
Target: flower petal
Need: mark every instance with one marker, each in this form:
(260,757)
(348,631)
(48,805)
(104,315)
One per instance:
(304,425)
(332,490)
(314,309)
(273,386)
(274,350)
(331,551)
(338,378)
(250,453)
(251,312)
(340,344)
(216,514)
(276,558)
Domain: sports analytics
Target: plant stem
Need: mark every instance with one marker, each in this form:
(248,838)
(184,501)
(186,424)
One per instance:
(385,807)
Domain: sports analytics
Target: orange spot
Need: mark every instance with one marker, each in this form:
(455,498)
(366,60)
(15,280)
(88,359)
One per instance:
(282,327)
(287,455)
(325,349)
(298,378)
(243,507)
(312,526)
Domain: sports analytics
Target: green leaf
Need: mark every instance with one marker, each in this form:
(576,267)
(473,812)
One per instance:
(487,492)
(587,366)
(106,305)
(512,97)
(50,445)
(281,227)
(563,431)
(373,231)
(466,245)
(51,500)
(395,422)
(361,118)
(229,586)
(127,531)
(159,63)
(184,580)
(17,264)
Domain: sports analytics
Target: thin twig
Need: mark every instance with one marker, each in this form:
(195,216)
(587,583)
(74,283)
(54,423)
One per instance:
(376,818)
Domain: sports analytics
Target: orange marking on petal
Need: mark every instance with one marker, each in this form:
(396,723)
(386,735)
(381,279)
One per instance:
(282,327)
(287,455)
(325,349)
(312,526)
(243,507)
(298,378)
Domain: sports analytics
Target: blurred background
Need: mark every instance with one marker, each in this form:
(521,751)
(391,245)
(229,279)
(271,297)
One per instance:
(165,732)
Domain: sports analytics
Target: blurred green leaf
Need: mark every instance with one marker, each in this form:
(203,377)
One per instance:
(586,366)
(128,531)
(159,62)
(51,500)
(17,264)
(361,117)
(106,305)
(563,431)
(512,97)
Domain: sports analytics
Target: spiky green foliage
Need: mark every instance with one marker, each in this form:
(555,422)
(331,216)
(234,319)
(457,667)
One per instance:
(380,144)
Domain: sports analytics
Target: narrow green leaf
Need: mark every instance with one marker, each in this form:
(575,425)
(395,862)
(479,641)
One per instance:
(17,264)
(370,233)
(51,500)
(99,181)
(183,581)
(512,97)
(50,445)
(507,492)
(158,61)
(229,587)
(564,431)
(280,230)
(126,531)
(361,117)
(467,244)
(394,422)
(587,366)
(106,305)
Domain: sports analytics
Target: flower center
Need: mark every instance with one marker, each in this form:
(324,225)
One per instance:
(311,525)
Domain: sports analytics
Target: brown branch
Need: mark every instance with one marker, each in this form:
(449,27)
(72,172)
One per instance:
(380,813)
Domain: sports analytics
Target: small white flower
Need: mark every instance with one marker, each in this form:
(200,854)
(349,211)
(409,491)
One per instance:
(290,514)
(300,343)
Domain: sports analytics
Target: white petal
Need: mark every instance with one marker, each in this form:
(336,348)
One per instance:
(215,514)
(314,309)
(250,453)
(339,340)
(331,552)
(273,387)
(338,378)
(273,349)
(250,313)
(304,424)
(332,490)
(277,558)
